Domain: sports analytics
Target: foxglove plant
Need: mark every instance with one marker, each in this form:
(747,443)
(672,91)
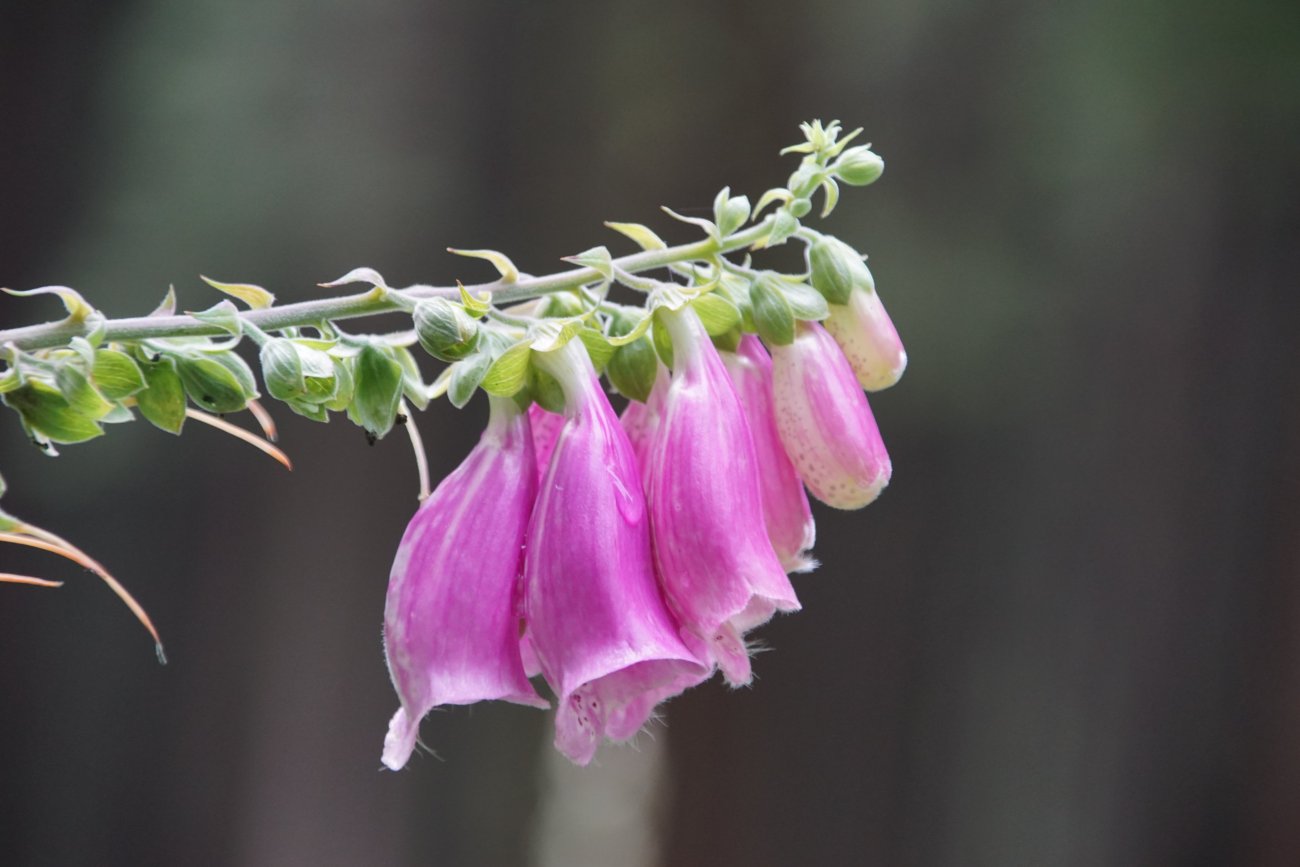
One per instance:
(622,561)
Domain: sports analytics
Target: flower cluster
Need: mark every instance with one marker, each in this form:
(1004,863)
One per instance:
(624,560)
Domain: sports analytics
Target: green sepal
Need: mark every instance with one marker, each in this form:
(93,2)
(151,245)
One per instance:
(663,342)
(805,302)
(729,213)
(728,341)
(76,388)
(773,318)
(209,383)
(509,372)
(48,415)
(836,269)
(344,385)
(717,313)
(116,374)
(163,399)
(784,224)
(377,390)
(545,390)
(465,376)
(412,382)
(598,347)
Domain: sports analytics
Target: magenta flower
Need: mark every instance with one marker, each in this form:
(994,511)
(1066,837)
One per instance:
(714,558)
(451,625)
(546,427)
(641,420)
(603,636)
(825,421)
(786,513)
(867,336)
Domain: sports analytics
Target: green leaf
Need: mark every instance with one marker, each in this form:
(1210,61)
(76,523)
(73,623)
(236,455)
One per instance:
(597,258)
(254,296)
(163,399)
(48,415)
(717,313)
(783,226)
(510,371)
(509,273)
(116,374)
(378,389)
(76,306)
(223,314)
(344,385)
(642,235)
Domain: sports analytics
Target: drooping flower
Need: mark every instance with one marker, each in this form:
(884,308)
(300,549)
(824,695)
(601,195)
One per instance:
(546,427)
(714,558)
(603,635)
(641,420)
(786,513)
(857,320)
(451,625)
(825,421)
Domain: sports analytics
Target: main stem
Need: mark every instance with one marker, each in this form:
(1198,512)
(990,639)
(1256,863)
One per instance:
(374,301)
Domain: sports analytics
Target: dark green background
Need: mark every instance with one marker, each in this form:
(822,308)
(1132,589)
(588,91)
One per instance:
(1067,633)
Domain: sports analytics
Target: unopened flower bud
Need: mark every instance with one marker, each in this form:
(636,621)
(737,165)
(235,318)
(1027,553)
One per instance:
(825,421)
(282,369)
(868,339)
(858,166)
(836,269)
(445,330)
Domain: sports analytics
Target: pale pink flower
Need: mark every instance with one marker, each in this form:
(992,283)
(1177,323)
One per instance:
(786,512)
(714,558)
(451,625)
(603,636)
(825,421)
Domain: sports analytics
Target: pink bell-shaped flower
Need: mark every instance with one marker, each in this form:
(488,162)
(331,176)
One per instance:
(641,420)
(451,625)
(867,337)
(546,427)
(714,558)
(825,421)
(603,635)
(786,512)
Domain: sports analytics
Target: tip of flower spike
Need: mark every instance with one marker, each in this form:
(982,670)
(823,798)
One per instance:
(400,740)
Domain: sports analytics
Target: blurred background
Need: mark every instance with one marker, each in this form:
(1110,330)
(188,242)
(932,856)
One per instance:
(1069,632)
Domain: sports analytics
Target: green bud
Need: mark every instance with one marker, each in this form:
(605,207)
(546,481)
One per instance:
(48,415)
(163,398)
(445,330)
(784,224)
(837,269)
(633,368)
(214,382)
(282,369)
(377,390)
(545,390)
(805,179)
(729,213)
(561,305)
(773,318)
(858,166)
(800,207)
